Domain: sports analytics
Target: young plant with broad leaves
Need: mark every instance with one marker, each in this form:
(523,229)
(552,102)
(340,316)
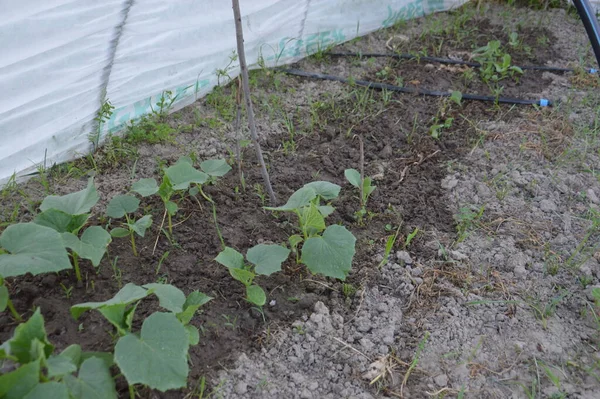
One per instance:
(123,206)
(178,179)
(326,250)
(157,355)
(67,215)
(365,186)
(37,372)
(262,259)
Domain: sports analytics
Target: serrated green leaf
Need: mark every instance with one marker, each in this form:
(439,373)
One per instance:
(267,258)
(183,174)
(16,384)
(76,203)
(141,225)
(192,304)
(158,357)
(60,365)
(25,336)
(106,357)
(128,294)
(169,297)
(60,221)
(299,199)
(119,232)
(312,220)
(325,189)
(185,159)
(331,254)
(145,187)
(193,334)
(256,295)
(295,240)
(48,390)
(33,249)
(121,205)
(92,245)
(72,352)
(353,177)
(326,210)
(93,381)
(171,207)
(3,297)
(215,167)
(243,276)
(230,258)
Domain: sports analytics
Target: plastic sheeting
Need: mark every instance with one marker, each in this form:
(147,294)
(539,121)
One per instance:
(61,59)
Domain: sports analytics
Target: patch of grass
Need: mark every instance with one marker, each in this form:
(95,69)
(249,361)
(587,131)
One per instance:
(466,221)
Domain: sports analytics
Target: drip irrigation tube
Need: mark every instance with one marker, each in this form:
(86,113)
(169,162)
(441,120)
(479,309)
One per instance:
(588,17)
(384,86)
(451,61)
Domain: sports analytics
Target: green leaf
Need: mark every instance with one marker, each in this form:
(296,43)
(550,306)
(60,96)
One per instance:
(312,220)
(60,365)
(353,177)
(193,334)
(256,295)
(128,294)
(141,225)
(158,358)
(267,258)
(183,174)
(325,210)
(16,384)
(230,258)
(171,207)
(60,221)
(76,203)
(121,205)
(331,254)
(192,304)
(325,189)
(92,245)
(295,240)
(3,297)
(145,187)
(243,276)
(49,390)
(215,167)
(169,297)
(33,249)
(119,232)
(94,381)
(185,159)
(72,352)
(25,336)
(300,198)
(106,357)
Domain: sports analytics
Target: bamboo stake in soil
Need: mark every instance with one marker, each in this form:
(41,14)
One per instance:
(249,109)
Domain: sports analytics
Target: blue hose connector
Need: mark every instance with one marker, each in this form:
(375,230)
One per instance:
(544,102)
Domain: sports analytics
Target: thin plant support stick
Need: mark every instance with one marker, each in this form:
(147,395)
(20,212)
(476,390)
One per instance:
(362,170)
(238,133)
(249,109)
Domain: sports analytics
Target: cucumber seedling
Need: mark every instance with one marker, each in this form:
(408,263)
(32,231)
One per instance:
(326,250)
(122,206)
(365,187)
(263,259)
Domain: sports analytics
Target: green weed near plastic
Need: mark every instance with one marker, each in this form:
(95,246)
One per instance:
(71,374)
(264,259)
(156,356)
(326,250)
(67,215)
(122,206)
(365,187)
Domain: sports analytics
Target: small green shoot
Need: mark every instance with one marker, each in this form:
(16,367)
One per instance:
(366,188)
(122,206)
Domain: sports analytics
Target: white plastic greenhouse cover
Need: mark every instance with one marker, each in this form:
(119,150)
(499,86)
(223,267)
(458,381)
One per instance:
(61,59)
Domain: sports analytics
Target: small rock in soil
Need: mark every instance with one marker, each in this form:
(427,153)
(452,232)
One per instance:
(404,256)
(547,206)
(441,380)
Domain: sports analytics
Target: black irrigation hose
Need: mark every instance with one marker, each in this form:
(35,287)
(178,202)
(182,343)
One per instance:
(450,61)
(384,86)
(586,13)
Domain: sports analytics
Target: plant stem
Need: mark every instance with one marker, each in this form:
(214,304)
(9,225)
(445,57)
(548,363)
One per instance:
(214,212)
(131,392)
(76,266)
(249,109)
(13,311)
(133,248)
(170,223)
